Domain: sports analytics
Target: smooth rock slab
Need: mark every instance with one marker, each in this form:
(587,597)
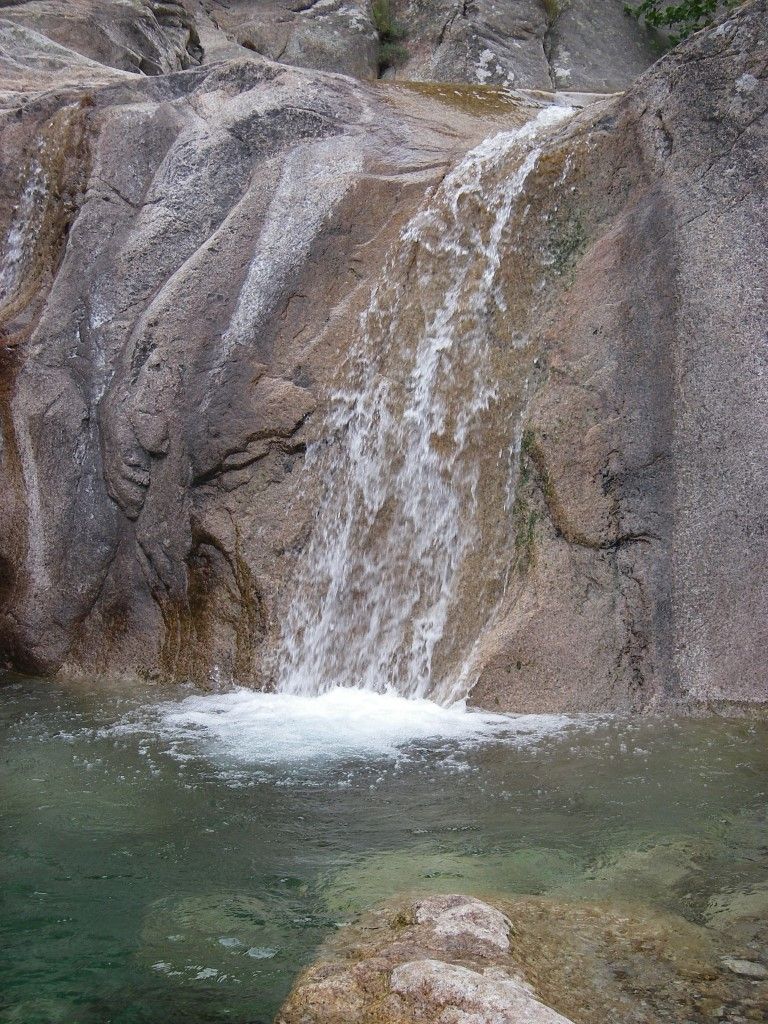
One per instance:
(595,45)
(469,922)
(448,994)
(746,968)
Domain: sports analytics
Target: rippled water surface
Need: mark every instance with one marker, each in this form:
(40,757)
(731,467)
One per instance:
(179,858)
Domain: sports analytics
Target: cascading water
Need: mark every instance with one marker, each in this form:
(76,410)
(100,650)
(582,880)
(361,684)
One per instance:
(20,233)
(407,435)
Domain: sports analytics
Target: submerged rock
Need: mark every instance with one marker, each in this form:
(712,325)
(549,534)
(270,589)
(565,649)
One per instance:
(214,935)
(453,959)
(746,968)
(655,869)
(727,908)
(433,962)
(740,917)
(533,870)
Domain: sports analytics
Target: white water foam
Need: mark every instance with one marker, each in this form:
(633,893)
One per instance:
(263,729)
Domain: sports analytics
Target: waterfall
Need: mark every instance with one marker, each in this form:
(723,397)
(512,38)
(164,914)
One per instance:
(21,234)
(385,574)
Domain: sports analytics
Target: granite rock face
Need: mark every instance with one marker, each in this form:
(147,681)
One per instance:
(188,251)
(440,960)
(641,551)
(331,35)
(187,256)
(586,45)
(594,46)
(583,45)
(153,37)
(485,42)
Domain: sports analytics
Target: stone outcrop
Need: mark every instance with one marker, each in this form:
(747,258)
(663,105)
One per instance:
(594,46)
(439,960)
(152,37)
(583,44)
(588,45)
(484,42)
(451,959)
(330,35)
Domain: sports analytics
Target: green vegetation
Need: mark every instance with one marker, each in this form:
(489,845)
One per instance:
(553,8)
(528,443)
(525,530)
(568,245)
(530,449)
(391,32)
(679,19)
(525,516)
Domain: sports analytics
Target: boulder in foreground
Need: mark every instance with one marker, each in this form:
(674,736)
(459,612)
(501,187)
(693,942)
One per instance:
(527,960)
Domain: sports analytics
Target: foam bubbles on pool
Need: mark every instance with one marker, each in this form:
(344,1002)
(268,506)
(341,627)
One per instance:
(340,725)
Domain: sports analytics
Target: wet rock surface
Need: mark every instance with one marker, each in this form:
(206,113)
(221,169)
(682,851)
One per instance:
(740,916)
(197,937)
(454,958)
(431,960)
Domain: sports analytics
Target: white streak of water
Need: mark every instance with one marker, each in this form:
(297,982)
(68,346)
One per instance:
(21,235)
(378,584)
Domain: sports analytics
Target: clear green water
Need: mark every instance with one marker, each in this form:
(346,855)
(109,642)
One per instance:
(167,873)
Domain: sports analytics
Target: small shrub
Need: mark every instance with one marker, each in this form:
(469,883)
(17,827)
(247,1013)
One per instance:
(391,33)
(552,8)
(679,19)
